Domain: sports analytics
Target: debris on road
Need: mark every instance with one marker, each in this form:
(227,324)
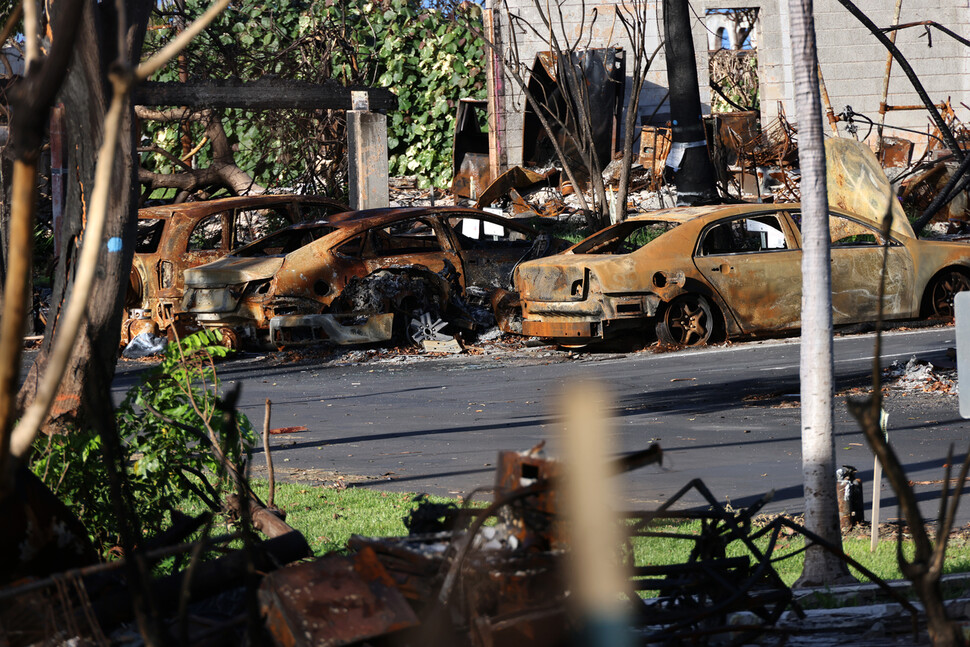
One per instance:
(919,375)
(144,344)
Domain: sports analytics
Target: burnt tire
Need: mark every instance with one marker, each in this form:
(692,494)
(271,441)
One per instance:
(938,302)
(687,321)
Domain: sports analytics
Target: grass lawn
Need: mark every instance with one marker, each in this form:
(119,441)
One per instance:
(327,517)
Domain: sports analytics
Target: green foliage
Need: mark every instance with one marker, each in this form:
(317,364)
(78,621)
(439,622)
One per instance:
(428,59)
(167,457)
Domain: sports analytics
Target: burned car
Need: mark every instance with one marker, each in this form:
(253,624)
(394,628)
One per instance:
(306,282)
(699,273)
(172,238)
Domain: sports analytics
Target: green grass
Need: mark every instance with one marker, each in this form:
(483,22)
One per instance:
(327,517)
(663,551)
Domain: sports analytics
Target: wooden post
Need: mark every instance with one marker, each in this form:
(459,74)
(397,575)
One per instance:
(367,156)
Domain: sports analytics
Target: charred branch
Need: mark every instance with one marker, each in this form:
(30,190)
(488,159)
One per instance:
(222,172)
(264,94)
(929,23)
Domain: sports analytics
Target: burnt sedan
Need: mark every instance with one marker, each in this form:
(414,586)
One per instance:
(697,274)
(173,238)
(308,277)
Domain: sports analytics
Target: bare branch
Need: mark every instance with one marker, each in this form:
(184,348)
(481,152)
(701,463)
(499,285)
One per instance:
(31,33)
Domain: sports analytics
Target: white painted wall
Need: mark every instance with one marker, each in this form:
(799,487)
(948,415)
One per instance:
(853,62)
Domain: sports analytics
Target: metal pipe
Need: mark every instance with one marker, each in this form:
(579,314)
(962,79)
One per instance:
(827,103)
(885,81)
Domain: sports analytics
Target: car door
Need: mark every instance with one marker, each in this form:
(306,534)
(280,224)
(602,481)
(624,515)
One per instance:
(208,241)
(857,261)
(753,262)
(490,247)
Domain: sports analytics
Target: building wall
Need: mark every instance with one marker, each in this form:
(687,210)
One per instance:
(853,62)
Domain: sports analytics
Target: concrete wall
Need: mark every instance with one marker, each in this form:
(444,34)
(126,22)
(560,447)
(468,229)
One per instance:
(853,62)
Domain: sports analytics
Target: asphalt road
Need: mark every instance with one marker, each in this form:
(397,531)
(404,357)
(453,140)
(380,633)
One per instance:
(727,415)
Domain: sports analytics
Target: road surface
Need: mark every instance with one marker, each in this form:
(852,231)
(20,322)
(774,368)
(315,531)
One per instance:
(728,415)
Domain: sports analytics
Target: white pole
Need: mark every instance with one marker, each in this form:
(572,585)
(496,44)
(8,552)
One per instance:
(877,485)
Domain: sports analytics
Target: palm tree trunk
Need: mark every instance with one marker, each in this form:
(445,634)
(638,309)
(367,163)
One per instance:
(818,446)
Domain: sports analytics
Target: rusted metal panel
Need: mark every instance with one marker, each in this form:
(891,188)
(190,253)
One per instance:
(470,155)
(895,152)
(654,147)
(603,72)
(514,178)
(750,281)
(173,238)
(508,311)
(533,520)
(361,263)
(333,601)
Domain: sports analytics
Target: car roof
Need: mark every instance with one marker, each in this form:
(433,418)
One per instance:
(205,207)
(392,214)
(686,214)
(369,218)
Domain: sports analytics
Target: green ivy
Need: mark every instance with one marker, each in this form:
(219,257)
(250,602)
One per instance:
(428,59)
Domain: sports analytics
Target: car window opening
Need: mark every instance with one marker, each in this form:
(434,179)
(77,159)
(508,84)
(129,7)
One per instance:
(744,235)
(625,237)
(149,235)
(285,241)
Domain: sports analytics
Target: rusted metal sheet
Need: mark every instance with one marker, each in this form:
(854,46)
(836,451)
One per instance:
(602,73)
(735,129)
(174,238)
(333,601)
(533,519)
(508,311)
(411,562)
(692,275)
(895,152)
(514,178)
(923,187)
(654,147)
(374,262)
(471,172)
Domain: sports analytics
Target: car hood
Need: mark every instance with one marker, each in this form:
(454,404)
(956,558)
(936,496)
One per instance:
(566,277)
(857,184)
(232,270)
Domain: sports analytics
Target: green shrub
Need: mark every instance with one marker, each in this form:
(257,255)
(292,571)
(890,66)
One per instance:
(166,457)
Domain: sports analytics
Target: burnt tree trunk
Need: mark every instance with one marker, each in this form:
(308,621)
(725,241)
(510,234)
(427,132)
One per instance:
(693,171)
(86,95)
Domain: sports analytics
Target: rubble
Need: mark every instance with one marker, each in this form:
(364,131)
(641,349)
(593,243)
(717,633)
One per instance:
(916,375)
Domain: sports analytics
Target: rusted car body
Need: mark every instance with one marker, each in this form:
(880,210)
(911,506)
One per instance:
(297,274)
(699,272)
(173,238)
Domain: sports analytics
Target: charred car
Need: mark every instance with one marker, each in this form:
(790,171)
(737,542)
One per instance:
(344,277)
(695,274)
(173,238)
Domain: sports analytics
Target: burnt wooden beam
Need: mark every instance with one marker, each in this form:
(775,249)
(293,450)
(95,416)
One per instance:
(264,94)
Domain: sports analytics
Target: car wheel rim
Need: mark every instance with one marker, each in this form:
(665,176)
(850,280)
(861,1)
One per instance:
(945,290)
(689,322)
